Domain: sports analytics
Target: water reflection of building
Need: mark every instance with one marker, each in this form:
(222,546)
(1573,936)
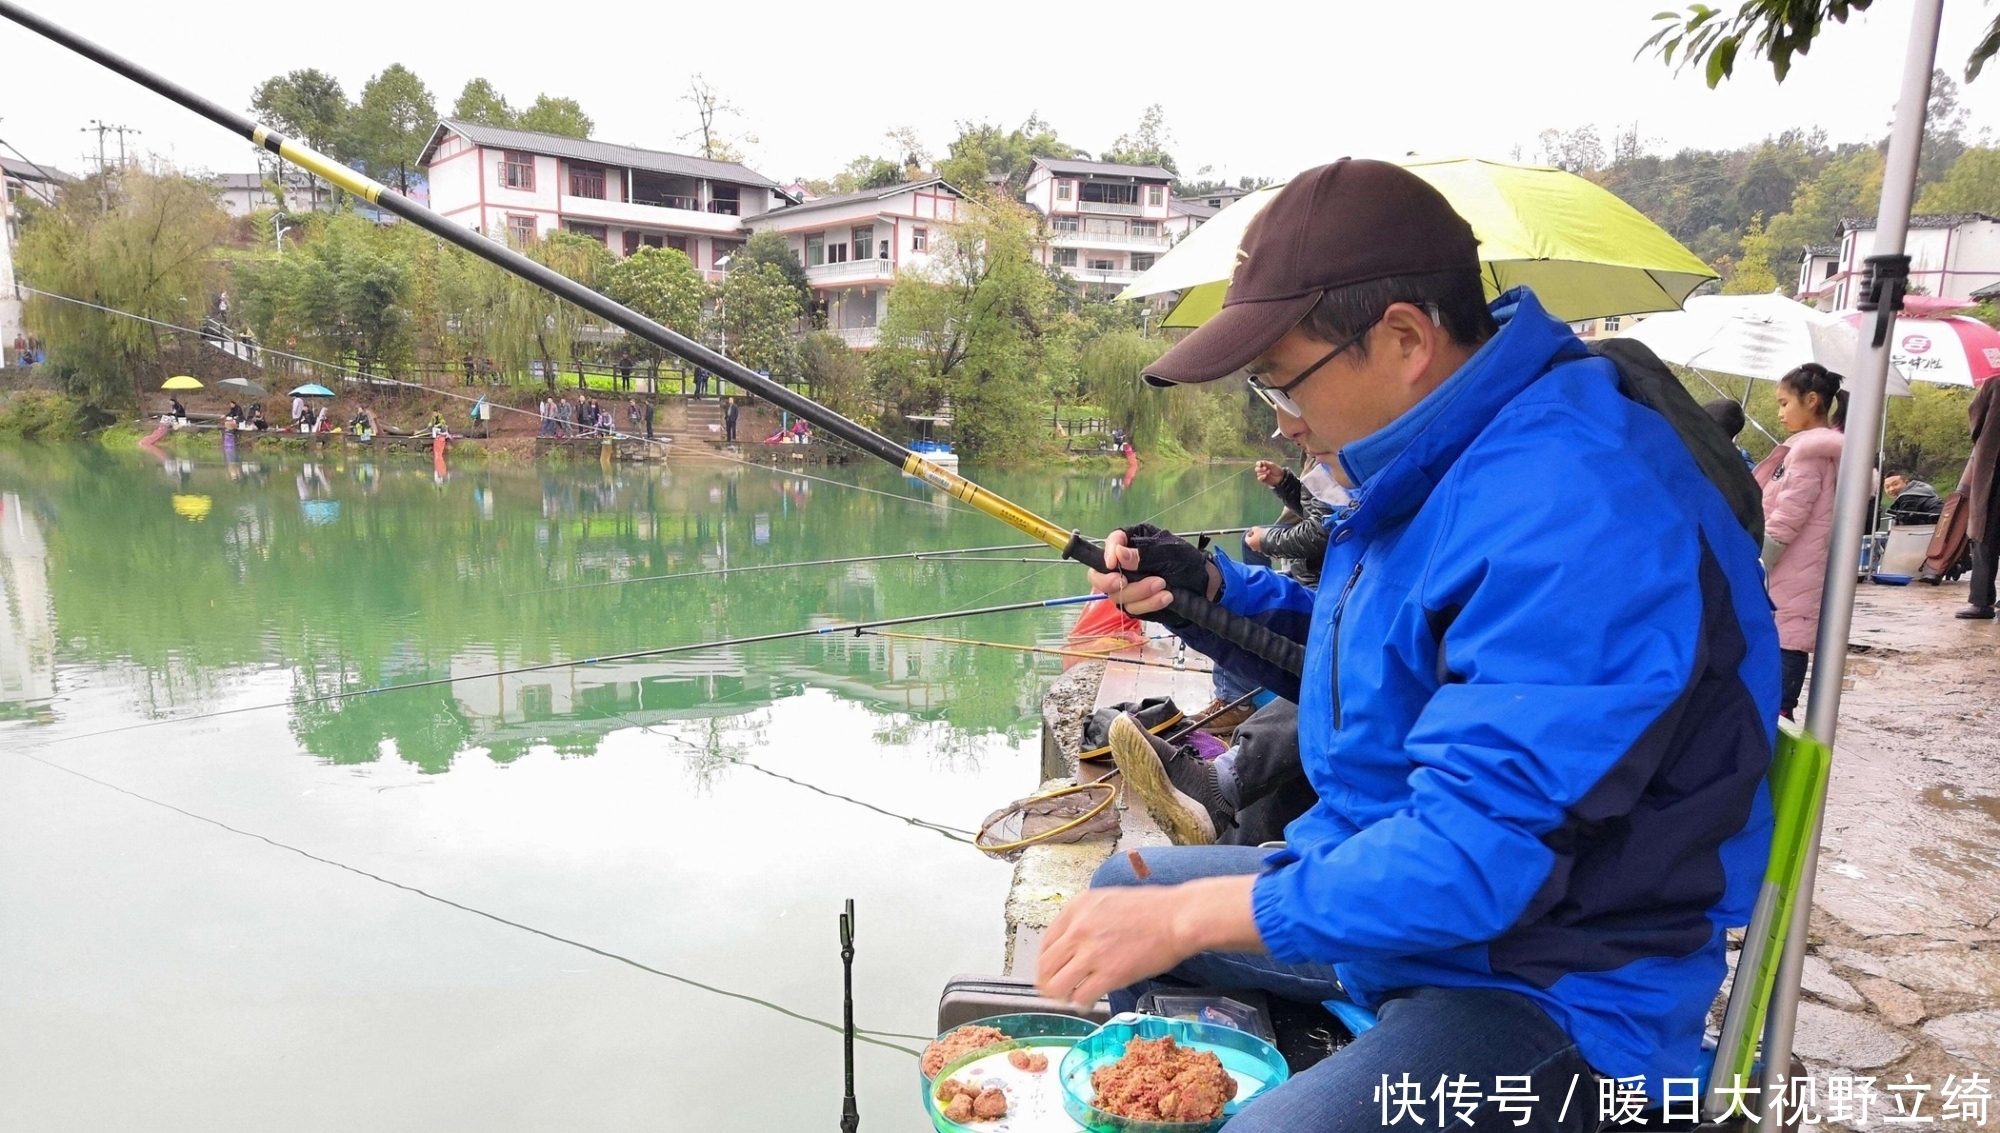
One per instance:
(27,613)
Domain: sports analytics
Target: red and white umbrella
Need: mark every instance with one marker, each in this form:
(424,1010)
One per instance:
(1952,351)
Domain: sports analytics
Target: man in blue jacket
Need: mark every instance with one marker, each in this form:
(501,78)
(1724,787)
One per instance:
(1538,723)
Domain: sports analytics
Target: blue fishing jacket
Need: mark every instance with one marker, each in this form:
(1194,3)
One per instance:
(1540,687)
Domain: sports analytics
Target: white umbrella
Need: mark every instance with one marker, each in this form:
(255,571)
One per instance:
(1754,336)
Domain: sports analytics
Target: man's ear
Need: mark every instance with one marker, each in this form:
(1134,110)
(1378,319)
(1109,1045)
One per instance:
(1411,340)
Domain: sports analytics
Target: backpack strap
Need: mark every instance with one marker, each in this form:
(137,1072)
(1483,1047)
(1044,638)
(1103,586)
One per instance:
(1647,380)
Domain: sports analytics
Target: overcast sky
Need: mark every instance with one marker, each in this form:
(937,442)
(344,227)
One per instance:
(1248,87)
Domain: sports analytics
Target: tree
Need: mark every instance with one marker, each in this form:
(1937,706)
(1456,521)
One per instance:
(1577,151)
(759,319)
(308,105)
(835,376)
(340,295)
(391,124)
(1971,185)
(1146,145)
(481,104)
(983,150)
(867,172)
(661,284)
(771,247)
(1776,30)
(551,115)
(151,253)
(1756,273)
(712,135)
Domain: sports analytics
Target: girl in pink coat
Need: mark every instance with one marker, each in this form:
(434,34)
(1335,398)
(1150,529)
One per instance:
(1798,479)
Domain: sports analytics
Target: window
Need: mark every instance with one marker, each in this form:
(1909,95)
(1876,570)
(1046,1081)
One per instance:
(1611,324)
(1065,257)
(815,249)
(1064,189)
(722,250)
(631,242)
(1145,228)
(597,232)
(1064,224)
(1142,260)
(677,243)
(1103,265)
(520,230)
(864,241)
(1098,192)
(1156,195)
(586,181)
(882,249)
(920,239)
(517,170)
(836,253)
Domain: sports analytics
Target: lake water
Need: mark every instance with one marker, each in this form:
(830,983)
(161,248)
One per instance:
(240,921)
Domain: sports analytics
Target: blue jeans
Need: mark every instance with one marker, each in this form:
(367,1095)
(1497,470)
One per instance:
(1428,1034)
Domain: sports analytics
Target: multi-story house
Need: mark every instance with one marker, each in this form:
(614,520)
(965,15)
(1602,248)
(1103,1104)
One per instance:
(519,184)
(1951,256)
(1107,222)
(853,244)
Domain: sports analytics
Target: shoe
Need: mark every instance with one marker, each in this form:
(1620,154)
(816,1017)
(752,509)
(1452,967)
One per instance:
(1976,614)
(1186,821)
(1224,723)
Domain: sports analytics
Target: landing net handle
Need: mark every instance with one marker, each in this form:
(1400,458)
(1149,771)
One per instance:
(1241,632)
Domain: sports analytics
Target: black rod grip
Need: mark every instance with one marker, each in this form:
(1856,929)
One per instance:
(1235,629)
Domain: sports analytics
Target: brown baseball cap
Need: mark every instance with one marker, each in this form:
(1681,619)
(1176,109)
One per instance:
(1349,222)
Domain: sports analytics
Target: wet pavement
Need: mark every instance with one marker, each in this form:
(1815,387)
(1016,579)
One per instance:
(1906,918)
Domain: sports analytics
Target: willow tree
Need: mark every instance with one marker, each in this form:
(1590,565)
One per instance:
(527,326)
(145,246)
(340,296)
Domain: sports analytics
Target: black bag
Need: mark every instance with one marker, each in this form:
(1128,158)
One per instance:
(1647,380)
(1157,714)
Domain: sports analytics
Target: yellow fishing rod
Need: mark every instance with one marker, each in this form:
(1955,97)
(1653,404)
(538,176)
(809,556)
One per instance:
(1243,633)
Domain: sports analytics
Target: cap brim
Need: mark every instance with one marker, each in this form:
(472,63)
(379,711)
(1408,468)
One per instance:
(1229,341)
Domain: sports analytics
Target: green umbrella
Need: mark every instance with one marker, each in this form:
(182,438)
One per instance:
(1585,253)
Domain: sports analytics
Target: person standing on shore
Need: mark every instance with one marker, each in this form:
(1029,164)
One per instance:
(729,420)
(649,419)
(1798,480)
(1981,488)
(298,410)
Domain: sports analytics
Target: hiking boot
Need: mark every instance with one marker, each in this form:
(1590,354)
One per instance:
(1976,614)
(1223,723)
(1177,787)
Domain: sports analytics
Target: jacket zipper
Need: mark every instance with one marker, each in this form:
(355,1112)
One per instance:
(1340,608)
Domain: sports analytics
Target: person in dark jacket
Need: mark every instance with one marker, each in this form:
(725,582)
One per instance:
(729,420)
(1730,418)
(1980,485)
(1300,535)
(1541,798)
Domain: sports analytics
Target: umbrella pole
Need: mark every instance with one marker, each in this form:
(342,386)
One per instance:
(1888,271)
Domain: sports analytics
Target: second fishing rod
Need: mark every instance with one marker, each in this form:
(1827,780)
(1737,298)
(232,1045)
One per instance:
(1241,632)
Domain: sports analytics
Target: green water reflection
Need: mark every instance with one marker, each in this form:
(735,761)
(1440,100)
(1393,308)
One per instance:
(177,579)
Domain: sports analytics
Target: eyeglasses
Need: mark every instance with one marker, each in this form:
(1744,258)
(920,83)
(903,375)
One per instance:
(1279,397)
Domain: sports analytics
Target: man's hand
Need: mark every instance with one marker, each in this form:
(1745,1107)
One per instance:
(1270,474)
(1142,596)
(1109,938)
(1254,539)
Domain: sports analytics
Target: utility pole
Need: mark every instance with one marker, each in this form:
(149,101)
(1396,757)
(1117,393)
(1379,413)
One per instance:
(122,131)
(100,127)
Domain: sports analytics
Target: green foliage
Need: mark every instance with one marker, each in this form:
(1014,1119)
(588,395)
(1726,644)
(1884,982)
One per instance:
(771,247)
(759,319)
(1929,435)
(835,376)
(551,115)
(40,415)
(1146,145)
(151,253)
(479,102)
(984,150)
(390,125)
(338,296)
(1755,274)
(308,105)
(661,284)
(983,325)
(1972,184)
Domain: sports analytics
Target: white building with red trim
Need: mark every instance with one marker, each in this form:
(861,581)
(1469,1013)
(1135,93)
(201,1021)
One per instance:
(1107,222)
(853,244)
(1951,256)
(518,183)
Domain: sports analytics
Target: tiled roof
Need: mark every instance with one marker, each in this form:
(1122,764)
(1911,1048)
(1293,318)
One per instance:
(597,153)
(1919,220)
(838,199)
(1104,169)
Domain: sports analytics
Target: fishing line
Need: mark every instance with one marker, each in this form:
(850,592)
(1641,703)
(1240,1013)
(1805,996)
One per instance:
(495,917)
(754,639)
(378,379)
(1085,654)
(918,555)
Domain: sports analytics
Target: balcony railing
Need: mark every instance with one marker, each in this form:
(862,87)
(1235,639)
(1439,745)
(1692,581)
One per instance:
(851,270)
(1102,275)
(859,337)
(1111,207)
(688,203)
(1102,238)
